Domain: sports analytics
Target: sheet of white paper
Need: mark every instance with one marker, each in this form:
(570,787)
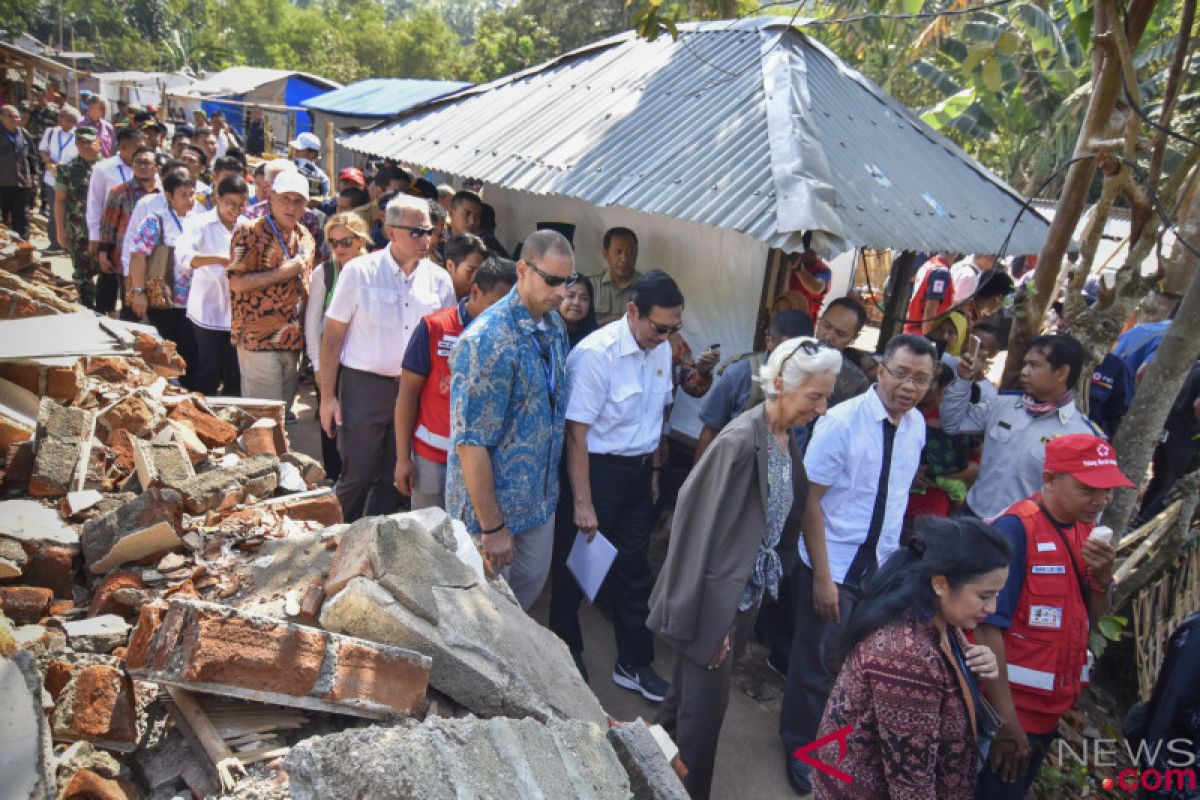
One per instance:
(589,562)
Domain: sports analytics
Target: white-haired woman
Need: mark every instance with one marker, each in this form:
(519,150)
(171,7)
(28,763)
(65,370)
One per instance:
(730,515)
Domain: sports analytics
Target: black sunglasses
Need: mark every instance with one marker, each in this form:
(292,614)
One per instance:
(554,280)
(414,232)
(810,347)
(664,330)
(347,242)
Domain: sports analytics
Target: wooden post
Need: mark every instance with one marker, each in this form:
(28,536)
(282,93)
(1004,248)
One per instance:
(330,156)
(896,297)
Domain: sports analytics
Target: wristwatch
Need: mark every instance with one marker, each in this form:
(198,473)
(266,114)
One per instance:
(138,290)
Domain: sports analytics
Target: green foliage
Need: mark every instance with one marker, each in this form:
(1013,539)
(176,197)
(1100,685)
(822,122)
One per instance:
(1108,629)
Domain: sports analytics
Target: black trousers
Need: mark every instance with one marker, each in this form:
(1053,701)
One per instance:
(990,787)
(173,325)
(814,662)
(216,369)
(108,291)
(367,443)
(331,459)
(564,591)
(621,497)
(14,208)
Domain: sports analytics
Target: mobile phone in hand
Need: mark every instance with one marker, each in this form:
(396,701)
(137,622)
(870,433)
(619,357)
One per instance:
(975,343)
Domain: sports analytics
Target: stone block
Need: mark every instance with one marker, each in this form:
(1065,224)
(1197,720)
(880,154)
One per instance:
(161,463)
(27,763)
(145,526)
(215,649)
(488,654)
(319,505)
(97,705)
(651,776)
(25,604)
(210,429)
(444,759)
(224,488)
(62,449)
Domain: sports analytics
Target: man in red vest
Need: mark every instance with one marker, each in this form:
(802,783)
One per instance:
(1057,588)
(932,295)
(423,403)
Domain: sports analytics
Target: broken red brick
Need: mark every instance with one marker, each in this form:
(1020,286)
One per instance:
(60,607)
(18,466)
(211,430)
(130,413)
(364,673)
(58,675)
(120,444)
(353,557)
(87,785)
(98,704)
(314,596)
(13,430)
(260,437)
(25,604)
(65,383)
(106,598)
(53,567)
(149,618)
(319,505)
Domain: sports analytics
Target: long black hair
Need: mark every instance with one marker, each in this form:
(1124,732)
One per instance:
(588,323)
(961,549)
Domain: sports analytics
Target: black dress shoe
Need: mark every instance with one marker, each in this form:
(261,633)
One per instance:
(799,776)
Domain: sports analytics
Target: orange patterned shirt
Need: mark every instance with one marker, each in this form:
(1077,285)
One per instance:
(270,318)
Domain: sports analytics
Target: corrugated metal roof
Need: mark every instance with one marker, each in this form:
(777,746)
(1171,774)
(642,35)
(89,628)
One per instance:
(380,98)
(240,80)
(747,125)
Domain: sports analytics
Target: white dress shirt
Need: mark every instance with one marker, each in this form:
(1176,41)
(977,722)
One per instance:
(106,176)
(59,147)
(314,316)
(619,390)
(208,302)
(382,306)
(846,454)
(155,203)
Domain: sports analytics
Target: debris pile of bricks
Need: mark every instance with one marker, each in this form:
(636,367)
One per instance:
(183,613)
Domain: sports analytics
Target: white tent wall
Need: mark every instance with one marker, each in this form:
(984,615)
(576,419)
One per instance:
(720,271)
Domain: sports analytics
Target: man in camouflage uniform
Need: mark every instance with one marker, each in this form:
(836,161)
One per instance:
(70,212)
(40,113)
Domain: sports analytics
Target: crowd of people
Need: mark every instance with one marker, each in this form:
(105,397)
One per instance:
(915,547)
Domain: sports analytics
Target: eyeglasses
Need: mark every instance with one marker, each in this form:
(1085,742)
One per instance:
(665,330)
(554,280)
(810,347)
(919,381)
(347,242)
(413,231)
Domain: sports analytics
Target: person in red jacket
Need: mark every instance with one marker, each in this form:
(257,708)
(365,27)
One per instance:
(1058,587)
(932,295)
(423,403)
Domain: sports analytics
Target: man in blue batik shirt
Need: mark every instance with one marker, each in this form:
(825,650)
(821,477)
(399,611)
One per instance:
(507,416)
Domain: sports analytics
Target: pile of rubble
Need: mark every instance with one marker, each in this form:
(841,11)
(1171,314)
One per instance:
(184,613)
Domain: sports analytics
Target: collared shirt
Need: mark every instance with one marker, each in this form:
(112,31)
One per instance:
(72,180)
(106,176)
(114,220)
(268,319)
(106,135)
(59,147)
(164,228)
(610,301)
(1014,444)
(846,454)
(308,219)
(509,394)
(155,203)
(208,302)
(619,390)
(382,306)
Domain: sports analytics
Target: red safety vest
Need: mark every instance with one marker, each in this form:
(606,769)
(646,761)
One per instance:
(1047,644)
(916,306)
(431,437)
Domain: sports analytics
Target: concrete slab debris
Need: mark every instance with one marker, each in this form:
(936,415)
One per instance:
(218,489)
(31,522)
(651,775)
(145,526)
(62,449)
(26,768)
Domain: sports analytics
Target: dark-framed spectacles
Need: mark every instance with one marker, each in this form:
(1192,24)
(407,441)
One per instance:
(554,280)
(414,232)
(664,330)
(347,242)
(919,381)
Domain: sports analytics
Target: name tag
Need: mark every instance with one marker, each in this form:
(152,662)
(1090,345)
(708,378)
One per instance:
(1045,617)
(1049,569)
(446,345)
(1046,547)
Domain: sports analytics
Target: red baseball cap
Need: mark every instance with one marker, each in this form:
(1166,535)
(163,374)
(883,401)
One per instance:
(352,174)
(1089,459)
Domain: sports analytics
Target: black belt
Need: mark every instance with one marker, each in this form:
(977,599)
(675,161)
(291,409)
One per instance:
(365,374)
(624,461)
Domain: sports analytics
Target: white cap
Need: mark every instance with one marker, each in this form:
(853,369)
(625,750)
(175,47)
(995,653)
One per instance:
(306,141)
(290,180)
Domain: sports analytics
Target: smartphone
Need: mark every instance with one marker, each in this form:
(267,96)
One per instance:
(975,343)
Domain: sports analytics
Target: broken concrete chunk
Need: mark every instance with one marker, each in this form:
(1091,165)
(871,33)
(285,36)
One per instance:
(98,705)
(221,489)
(651,775)
(62,449)
(186,435)
(210,429)
(29,521)
(456,758)
(146,526)
(100,634)
(319,505)
(27,765)
(309,467)
(215,649)
(161,463)
(78,502)
(488,654)
(13,558)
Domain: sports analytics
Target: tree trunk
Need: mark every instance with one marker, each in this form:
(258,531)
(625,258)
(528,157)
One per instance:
(1139,433)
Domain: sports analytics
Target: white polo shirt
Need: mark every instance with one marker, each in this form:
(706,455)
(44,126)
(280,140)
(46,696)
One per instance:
(107,175)
(619,390)
(59,147)
(846,454)
(382,306)
(208,302)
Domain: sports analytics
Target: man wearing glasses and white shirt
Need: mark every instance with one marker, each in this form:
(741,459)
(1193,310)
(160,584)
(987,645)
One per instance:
(860,463)
(377,303)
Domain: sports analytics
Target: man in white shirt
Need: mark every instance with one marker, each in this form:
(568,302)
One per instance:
(966,274)
(154,203)
(377,302)
(106,176)
(58,147)
(203,249)
(861,462)
(620,391)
